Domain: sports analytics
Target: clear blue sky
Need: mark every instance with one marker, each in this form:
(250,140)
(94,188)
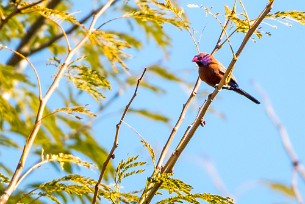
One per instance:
(244,147)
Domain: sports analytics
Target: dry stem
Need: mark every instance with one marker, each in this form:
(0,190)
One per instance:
(116,140)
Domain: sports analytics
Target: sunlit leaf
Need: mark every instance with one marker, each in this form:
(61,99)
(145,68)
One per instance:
(88,80)
(76,109)
(242,25)
(4,179)
(298,16)
(281,188)
(150,115)
(163,73)
(49,13)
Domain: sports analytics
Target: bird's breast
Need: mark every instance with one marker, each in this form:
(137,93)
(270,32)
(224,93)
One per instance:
(209,75)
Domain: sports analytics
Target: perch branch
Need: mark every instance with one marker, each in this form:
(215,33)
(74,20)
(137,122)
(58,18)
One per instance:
(147,196)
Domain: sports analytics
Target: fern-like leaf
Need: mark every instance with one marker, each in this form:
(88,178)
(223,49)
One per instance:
(75,109)
(242,25)
(124,166)
(50,13)
(88,80)
(112,47)
(67,158)
(298,16)
(150,115)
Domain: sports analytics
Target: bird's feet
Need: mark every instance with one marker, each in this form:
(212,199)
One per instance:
(202,122)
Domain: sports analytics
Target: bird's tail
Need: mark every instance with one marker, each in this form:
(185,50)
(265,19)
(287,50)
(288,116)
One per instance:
(242,92)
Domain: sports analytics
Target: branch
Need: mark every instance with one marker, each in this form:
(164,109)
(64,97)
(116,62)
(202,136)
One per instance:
(177,125)
(116,140)
(294,185)
(30,140)
(17,11)
(31,65)
(147,197)
(57,37)
(30,33)
(283,133)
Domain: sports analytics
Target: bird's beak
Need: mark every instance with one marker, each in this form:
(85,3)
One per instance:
(195,59)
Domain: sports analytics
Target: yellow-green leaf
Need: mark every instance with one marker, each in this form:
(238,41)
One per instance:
(150,115)
(281,188)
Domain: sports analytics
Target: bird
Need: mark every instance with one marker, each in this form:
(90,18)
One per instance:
(211,72)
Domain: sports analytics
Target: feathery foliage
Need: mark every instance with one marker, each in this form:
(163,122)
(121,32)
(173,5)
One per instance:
(122,170)
(242,25)
(52,14)
(297,16)
(88,80)
(149,115)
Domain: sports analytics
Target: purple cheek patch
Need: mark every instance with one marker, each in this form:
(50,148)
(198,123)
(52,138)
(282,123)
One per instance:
(206,60)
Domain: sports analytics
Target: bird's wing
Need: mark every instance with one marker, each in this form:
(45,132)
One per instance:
(222,71)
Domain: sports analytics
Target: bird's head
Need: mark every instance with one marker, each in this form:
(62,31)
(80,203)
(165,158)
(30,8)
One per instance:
(202,59)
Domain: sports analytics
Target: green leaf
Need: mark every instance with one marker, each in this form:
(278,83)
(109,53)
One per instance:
(88,80)
(75,109)
(68,158)
(298,16)
(112,47)
(9,75)
(150,150)
(73,185)
(52,14)
(4,179)
(145,84)
(193,198)
(242,25)
(173,185)
(281,188)
(149,115)
(124,166)
(163,73)
(7,142)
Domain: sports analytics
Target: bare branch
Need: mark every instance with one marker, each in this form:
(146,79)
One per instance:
(177,125)
(283,133)
(294,185)
(116,140)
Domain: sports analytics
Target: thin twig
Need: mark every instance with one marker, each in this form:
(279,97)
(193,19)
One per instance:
(32,168)
(294,185)
(223,30)
(147,196)
(283,133)
(63,33)
(31,65)
(116,140)
(177,125)
(245,12)
(30,140)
